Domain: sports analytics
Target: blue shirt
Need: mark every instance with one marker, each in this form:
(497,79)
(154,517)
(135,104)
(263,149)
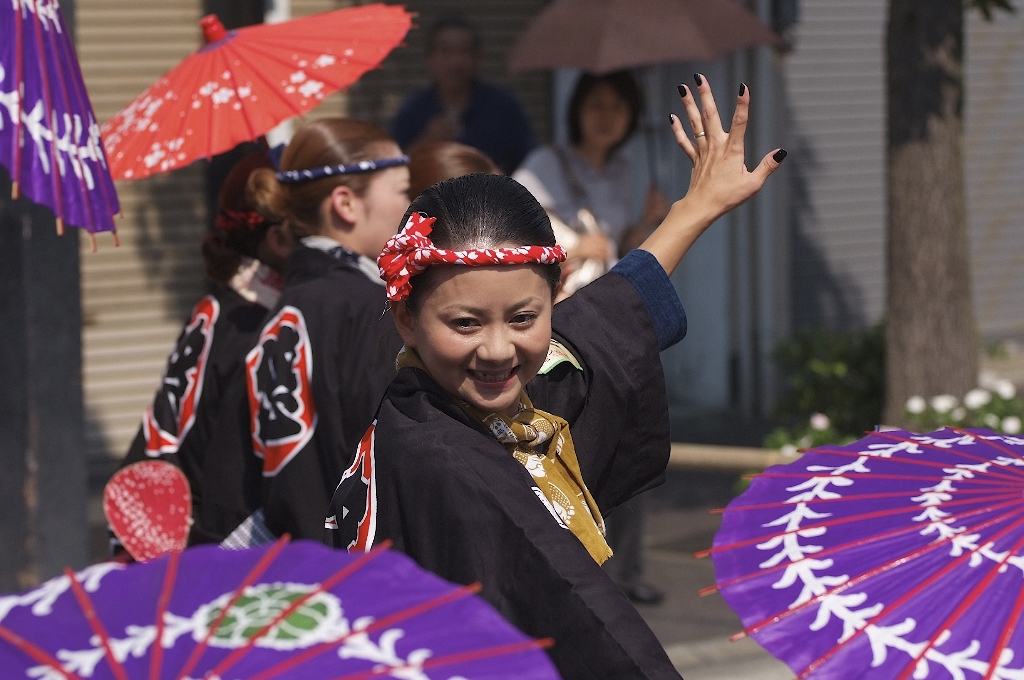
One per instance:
(493,122)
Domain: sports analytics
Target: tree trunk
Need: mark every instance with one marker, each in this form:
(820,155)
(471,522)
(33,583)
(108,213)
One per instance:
(931,340)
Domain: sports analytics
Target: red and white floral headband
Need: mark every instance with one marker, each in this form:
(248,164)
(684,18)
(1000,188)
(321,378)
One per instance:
(410,252)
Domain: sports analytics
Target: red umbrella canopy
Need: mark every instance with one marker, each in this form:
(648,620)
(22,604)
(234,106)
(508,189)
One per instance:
(244,82)
(600,36)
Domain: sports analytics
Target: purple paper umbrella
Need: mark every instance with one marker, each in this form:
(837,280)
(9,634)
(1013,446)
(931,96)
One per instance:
(899,556)
(49,140)
(298,610)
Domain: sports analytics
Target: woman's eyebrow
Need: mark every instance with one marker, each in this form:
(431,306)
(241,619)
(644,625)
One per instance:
(459,308)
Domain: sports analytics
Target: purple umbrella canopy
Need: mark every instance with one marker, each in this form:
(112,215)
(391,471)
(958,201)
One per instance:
(898,556)
(298,610)
(49,140)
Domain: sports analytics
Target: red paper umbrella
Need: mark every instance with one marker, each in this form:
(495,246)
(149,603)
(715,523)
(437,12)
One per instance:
(149,508)
(242,83)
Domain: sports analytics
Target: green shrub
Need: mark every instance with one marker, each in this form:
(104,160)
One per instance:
(838,375)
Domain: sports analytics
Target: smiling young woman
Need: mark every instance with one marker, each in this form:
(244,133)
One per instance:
(470,467)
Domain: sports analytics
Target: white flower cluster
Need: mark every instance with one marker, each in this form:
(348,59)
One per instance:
(992,404)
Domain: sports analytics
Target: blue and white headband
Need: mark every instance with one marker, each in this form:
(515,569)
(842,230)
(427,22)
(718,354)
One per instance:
(290,176)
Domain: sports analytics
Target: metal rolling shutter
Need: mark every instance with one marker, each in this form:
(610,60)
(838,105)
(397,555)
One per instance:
(836,89)
(994,171)
(135,297)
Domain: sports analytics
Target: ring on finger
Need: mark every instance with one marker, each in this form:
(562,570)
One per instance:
(699,135)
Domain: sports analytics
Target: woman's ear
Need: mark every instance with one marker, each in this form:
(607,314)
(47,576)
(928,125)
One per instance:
(344,204)
(405,322)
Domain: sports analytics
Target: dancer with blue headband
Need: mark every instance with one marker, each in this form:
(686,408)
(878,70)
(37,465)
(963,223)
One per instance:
(325,353)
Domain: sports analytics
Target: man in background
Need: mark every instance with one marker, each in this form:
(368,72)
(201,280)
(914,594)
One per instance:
(459,107)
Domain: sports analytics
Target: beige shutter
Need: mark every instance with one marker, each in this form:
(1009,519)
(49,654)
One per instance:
(136,297)
(994,171)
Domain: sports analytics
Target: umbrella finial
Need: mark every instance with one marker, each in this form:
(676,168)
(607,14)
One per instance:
(213,29)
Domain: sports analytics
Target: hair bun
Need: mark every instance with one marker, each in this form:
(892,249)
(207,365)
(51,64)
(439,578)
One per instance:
(267,195)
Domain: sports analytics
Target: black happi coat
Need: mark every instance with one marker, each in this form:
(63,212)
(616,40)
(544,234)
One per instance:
(186,412)
(445,492)
(322,362)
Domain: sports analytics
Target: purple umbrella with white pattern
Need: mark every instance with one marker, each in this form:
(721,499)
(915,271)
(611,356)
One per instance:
(898,556)
(298,610)
(49,140)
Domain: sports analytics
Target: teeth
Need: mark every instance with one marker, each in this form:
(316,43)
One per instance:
(493,377)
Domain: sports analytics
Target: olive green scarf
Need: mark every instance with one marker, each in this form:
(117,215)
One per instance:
(542,443)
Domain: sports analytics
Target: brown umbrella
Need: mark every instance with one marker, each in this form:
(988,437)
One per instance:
(607,35)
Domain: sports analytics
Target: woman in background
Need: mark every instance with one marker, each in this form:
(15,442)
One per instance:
(244,259)
(587,185)
(327,351)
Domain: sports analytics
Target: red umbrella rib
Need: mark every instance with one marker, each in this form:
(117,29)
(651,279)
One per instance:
(40,655)
(327,584)
(165,597)
(97,626)
(261,566)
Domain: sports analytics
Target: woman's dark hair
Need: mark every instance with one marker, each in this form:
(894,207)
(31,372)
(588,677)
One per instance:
(240,226)
(481,211)
(624,85)
(328,141)
(433,162)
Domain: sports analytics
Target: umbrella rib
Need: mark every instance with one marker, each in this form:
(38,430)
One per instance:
(842,520)
(234,84)
(48,108)
(913,461)
(261,566)
(212,117)
(194,86)
(462,657)
(90,226)
(860,542)
(165,597)
(20,89)
(971,597)
(874,571)
(980,459)
(297,110)
(988,442)
(86,605)
(37,653)
(1004,639)
(339,576)
(362,63)
(841,499)
(876,475)
(103,166)
(932,578)
(388,620)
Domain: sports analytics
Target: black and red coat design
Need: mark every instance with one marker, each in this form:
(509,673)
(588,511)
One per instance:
(313,381)
(446,493)
(185,414)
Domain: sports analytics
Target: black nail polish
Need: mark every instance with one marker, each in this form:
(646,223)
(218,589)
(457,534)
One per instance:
(699,79)
(743,89)
(671,119)
(682,91)
(780,155)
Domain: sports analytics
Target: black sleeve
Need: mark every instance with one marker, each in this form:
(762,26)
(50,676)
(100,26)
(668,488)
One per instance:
(616,406)
(232,474)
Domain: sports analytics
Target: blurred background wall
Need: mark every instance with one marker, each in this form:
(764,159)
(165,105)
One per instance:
(808,250)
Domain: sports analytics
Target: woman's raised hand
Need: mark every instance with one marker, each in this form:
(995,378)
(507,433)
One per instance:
(720,180)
